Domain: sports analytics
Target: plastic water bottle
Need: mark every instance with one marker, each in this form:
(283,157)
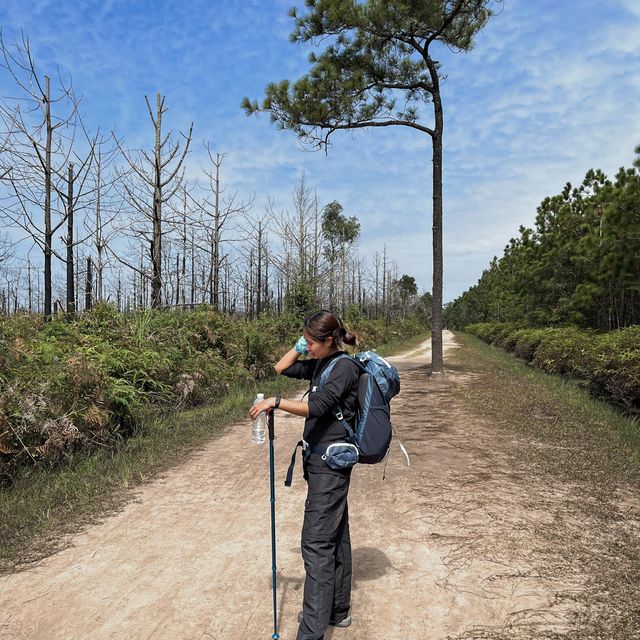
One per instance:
(259,434)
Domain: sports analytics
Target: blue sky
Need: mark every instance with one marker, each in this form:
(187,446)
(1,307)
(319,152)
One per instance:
(550,90)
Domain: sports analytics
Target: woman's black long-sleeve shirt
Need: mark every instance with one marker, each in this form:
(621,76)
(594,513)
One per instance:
(322,428)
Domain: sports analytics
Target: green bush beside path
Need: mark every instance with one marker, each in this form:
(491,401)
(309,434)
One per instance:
(608,363)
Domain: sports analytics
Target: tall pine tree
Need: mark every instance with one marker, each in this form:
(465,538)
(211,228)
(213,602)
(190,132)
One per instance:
(376,72)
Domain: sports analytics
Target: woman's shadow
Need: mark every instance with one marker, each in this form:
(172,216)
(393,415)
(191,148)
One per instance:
(368,564)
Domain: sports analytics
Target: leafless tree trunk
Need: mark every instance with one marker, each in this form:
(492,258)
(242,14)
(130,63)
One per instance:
(158,176)
(193,271)
(30,287)
(218,215)
(101,229)
(88,289)
(384,282)
(48,232)
(37,145)
(71,293)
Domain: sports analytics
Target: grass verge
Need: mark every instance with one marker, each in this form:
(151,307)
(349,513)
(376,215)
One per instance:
(43,506)
(573,441)
(399,345)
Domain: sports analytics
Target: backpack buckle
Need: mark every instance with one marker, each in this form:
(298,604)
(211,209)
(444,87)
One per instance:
(339,415)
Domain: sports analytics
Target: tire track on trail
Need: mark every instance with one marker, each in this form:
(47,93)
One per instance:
(189,556)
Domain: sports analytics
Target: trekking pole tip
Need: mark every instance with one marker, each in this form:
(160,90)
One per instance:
(275,636)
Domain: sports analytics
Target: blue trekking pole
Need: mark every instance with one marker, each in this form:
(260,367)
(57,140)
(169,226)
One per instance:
(275,635)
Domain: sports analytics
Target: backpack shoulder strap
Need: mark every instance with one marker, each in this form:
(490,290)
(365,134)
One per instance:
(337,412)
(327,370)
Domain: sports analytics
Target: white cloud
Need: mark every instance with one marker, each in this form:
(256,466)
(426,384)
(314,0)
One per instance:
(547,93)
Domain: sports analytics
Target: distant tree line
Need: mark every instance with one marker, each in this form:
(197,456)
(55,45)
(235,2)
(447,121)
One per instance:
(579,265)
(88,219)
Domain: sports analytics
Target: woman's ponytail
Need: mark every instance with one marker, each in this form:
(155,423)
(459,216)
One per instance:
(324,324)
(349,337)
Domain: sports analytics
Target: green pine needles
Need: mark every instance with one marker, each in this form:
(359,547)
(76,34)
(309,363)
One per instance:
(377,68)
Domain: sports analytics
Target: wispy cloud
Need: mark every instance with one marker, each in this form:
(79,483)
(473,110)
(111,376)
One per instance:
(547,93)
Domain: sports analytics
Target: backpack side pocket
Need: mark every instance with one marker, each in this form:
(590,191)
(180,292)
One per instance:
(341,455)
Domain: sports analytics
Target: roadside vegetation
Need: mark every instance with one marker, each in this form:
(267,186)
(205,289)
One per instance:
(95,405)
(578,265)
(607,363)
(584,456)
(564,296)
(86,384)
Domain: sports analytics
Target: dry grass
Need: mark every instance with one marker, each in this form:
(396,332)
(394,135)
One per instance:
(577,462)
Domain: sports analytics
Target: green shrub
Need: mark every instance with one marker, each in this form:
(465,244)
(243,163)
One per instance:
(609,363)
(526,341)
(615,366)
(72,385)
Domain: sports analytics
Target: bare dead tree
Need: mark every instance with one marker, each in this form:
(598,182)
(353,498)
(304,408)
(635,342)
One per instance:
(88,289)
(256,252)
(298,258)
(184,226)
(106,206)
(40,144)
(80,193)
(220,213)
(152,179)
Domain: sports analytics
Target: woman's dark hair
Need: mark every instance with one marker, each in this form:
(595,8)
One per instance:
(324,324)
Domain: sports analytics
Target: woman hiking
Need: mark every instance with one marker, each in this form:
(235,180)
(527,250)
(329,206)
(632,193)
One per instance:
(326,547)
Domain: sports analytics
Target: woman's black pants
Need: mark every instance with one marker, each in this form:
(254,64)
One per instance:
(326,551)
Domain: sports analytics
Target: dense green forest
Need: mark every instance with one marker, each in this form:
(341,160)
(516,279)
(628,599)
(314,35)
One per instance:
(579,265)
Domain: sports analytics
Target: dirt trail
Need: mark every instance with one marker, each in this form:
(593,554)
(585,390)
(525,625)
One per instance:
(438,548)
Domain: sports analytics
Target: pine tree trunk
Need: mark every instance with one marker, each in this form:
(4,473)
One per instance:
(184,252)
(88,289)
(193,272)
(437,365)
(266,303)
(259,273)
(384,283)
(30,287)
(216,239)
(98,239)
(178,283)
(156,245)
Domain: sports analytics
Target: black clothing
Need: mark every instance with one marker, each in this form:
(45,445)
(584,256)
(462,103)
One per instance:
(322,428)
(326,546)
(326,550)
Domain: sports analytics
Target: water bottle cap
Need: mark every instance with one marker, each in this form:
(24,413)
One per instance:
(260,396)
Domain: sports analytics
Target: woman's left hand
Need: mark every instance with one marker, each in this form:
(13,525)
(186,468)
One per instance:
(264,405)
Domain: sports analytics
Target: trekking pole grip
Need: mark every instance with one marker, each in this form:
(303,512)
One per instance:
(271,426)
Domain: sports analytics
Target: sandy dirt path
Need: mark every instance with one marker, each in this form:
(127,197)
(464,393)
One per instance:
(189,556)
